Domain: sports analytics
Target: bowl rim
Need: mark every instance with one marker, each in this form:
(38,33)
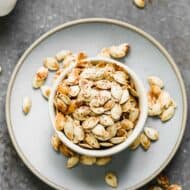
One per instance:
(139,125)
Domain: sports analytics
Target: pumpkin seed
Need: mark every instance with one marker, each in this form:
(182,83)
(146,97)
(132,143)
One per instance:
(59,121)
(55,142)
(87,160)
(145,142)
(69,128)
(111,179)
(116,91)
(26,105)
(51,63)
(45,90)
(103,161)
(135,144)
(117,140)
(74,91)
(120,77)
(92,141)
(116,112)
(151,133)
(72,161)
(154,80)
(106,120)
(167,114)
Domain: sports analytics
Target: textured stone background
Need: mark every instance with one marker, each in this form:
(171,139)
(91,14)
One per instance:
(167,20)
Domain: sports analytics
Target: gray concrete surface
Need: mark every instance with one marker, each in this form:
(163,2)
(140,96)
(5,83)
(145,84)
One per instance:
(167,20)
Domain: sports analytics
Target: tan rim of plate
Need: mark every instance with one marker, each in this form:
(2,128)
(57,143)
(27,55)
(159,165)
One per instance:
(96,20)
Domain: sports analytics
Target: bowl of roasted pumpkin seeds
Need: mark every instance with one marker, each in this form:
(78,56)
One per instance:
(98,106)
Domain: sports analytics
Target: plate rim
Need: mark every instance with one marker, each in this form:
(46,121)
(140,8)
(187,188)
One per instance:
(95,20)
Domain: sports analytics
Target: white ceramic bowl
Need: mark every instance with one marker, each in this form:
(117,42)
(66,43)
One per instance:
(117,148)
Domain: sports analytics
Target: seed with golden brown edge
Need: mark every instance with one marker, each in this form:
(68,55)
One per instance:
(135,144)
(145,142)
(66,151)
(45,90)
(26,105)
(59,121)
(72,161)
(103,161)
(92,141)
(87,160)
(174,187)
(151,133)
(51,63)
(60,56)
(167,114)
(55,142)
(163,181)
(111,179)
(127,124)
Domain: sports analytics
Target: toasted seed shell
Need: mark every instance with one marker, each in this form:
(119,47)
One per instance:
(103,84)
(103,161)
(59,121)
(164,99)
(36,82)
(121,133)
(154,80)
(112,130)
(99,130)
(117,140)
(135,144)
(127,124)
(42,73)
(154,109)
(139,3)
(134,114)
(60,56)
(72,161)
(45,90)
(155,90)
(145,142)
(51,63)
(106,120)
(66,151)
(151,133)
(60,105)
(55,142)
(104,53)
(78,133)
(111,179)
(116,92)
(86,160)
(74,91)
(174,187)
(105,144)
(69,128)
(26,105)
(90,122)
(119,51)
(116,112)
(124,97)
(120,77)
(98,110)
(167,114)
(92,141)
(85,145)
(109,105)
(163,181)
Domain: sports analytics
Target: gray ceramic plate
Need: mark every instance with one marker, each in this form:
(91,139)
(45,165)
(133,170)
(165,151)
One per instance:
(31,134)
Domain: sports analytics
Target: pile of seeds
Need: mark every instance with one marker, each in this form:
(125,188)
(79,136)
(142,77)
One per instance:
(163,183)
(160,102)
(96,105)
(72,95)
